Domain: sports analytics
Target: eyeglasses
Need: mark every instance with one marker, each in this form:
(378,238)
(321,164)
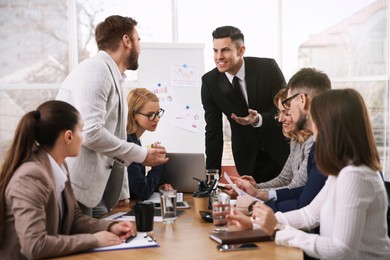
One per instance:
(285,113)
(152,115)
(287,101)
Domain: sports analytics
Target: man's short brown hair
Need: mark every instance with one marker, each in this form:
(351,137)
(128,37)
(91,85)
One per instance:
(109,33)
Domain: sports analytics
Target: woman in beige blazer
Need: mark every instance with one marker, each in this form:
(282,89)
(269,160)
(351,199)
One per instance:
(39,216)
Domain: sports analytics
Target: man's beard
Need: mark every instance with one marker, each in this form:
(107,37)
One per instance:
(133,60)
(301,122)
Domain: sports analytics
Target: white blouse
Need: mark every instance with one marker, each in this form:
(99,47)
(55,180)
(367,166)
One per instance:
(60,177)
(351,211)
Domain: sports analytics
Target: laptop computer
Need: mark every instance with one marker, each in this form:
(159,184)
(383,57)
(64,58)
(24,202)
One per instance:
(181,168)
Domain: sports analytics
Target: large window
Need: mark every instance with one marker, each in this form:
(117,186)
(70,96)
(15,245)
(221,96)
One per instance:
(42,41)
(351,46)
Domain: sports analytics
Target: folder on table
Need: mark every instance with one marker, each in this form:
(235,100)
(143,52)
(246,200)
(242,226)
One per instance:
(241,236)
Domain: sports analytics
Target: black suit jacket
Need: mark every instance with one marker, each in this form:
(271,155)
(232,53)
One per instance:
(263,80)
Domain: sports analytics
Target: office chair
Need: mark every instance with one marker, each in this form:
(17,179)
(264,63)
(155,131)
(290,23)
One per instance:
(387,185)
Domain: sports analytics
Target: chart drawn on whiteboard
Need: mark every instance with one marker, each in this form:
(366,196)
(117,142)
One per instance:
(186,118)
(164,93)
(184,75)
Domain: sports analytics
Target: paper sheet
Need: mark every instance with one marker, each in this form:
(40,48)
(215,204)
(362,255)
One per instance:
(140,241)
(121,217)
(238,190)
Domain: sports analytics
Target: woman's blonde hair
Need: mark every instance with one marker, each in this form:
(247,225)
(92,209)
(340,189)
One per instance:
(136,99)
(299,136)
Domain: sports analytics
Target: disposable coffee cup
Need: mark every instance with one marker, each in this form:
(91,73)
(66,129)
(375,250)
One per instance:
(144,214)
(201,201)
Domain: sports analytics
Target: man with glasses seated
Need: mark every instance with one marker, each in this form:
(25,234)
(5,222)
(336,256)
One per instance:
(144,115)
(294,173)
(302,88)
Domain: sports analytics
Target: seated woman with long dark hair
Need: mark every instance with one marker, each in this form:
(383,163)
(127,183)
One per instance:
(39,215)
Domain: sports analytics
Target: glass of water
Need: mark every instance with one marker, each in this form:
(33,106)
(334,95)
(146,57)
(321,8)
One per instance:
(221,208)
(168,205)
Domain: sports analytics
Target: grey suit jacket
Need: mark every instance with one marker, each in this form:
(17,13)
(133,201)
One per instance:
(93,87)
(33,220)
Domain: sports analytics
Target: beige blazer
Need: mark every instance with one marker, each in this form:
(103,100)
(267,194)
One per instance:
(33,219)
(93,87)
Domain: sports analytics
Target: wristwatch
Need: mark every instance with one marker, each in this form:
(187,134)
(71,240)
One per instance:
(277,228)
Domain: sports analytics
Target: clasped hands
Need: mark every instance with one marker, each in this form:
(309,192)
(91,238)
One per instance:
(116,234)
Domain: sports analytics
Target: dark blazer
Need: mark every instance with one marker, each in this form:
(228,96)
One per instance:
(263,80)
(34,229)
(296,198)
(141,186)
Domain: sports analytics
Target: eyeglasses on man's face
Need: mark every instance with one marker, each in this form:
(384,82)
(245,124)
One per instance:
(152,115)
(286,103)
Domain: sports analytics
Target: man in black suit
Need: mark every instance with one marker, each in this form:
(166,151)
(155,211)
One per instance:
(259,147)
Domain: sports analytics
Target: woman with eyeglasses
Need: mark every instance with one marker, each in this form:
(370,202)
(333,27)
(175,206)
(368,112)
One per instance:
(294,173)
(144,115)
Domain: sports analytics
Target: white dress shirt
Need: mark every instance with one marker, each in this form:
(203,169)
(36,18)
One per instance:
(241,76)
(351,211)
(61,178)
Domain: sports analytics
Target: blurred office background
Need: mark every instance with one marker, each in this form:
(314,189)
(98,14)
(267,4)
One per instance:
(41,41)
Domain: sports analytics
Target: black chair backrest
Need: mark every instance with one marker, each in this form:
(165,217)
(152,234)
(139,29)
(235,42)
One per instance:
(387,185)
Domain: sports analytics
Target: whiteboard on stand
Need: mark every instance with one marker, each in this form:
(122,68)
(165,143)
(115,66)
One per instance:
(173,71)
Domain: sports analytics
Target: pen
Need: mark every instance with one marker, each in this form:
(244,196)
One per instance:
(222,187)
(130,238)
(196,179)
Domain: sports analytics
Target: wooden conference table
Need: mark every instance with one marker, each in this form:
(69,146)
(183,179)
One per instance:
(188,238)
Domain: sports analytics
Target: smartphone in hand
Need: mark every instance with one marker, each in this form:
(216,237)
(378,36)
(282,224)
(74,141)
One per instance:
(234,247)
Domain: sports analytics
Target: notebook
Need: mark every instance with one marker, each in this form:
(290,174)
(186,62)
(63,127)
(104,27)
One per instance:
(241,236)
(181,168)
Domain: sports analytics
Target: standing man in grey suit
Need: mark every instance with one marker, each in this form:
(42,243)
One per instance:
(94,87)
(243,88)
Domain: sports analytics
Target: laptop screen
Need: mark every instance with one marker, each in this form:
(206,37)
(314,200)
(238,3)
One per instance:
(180,170)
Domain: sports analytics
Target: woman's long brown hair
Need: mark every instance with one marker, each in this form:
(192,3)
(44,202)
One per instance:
(39,128)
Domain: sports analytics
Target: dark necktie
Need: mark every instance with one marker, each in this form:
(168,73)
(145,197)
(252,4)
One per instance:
(237,89)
